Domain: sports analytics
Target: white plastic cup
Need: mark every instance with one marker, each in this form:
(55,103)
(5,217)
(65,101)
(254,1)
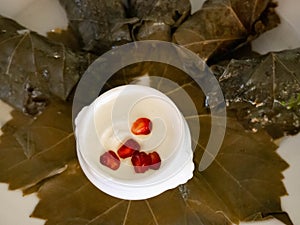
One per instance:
(105,124)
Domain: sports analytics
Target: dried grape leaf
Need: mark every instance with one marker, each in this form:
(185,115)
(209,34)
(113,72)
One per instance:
(264,92)
(243,184)
(35,148)
(158,18)
(99,24)
(32,68)
(221,26)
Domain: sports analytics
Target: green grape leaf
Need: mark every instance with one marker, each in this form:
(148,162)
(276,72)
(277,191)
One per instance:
(33,68)
(243,184)
(221,26)
(264,92)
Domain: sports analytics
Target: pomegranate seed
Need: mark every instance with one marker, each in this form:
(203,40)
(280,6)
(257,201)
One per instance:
(155,160)
(140,161)
(141,126)
(110,159)
(127,149)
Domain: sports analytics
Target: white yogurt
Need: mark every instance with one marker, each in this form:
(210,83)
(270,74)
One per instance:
(106,123)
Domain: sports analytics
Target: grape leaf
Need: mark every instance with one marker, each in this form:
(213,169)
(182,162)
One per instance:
(221,26)
(99,24)
(32,68)
(243,184)
(264,92)
(158,17)
(36,148)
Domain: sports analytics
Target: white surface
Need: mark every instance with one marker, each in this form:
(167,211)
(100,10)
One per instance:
(39,15)
(287,34)
(4,114)
(15,209)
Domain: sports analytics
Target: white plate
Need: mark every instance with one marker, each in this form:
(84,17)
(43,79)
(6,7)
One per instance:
(15,209)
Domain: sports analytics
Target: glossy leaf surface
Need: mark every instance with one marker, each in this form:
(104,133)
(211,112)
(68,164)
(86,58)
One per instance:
(264,92)
(32,68)
(99,24)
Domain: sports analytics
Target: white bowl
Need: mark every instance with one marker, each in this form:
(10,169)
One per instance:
(105,123)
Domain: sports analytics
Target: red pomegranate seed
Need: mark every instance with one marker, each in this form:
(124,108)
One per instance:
(140,161)
(128,148)
(141,126)
(110,159)
(155,160)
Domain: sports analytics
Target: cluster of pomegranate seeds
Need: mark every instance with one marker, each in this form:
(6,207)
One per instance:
(140,161)
(128,148)
(143,161)
(131,148)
